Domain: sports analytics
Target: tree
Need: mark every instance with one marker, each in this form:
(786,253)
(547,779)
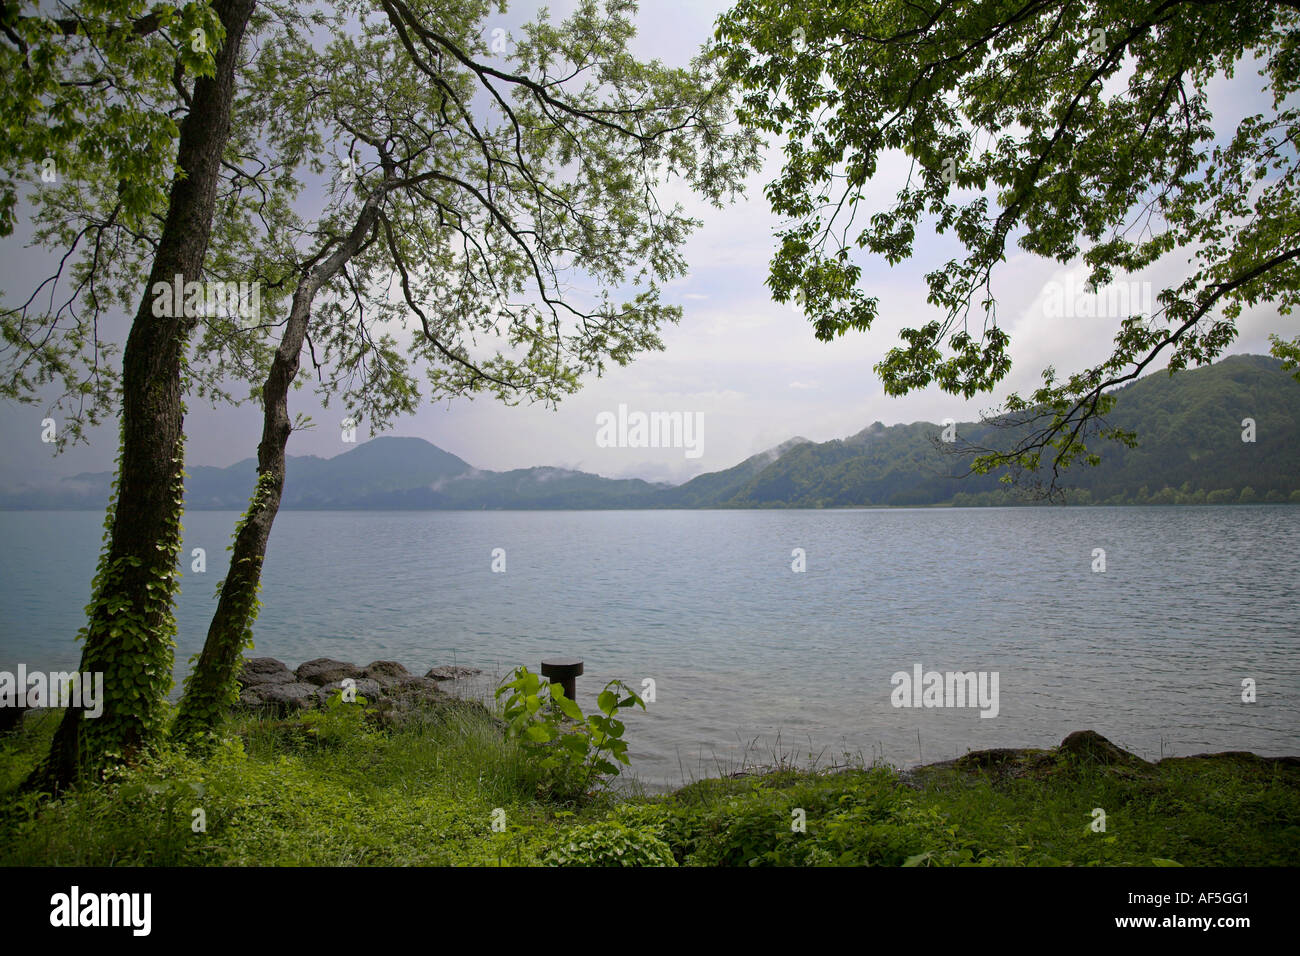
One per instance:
(480,198)
(128,635)
(83,86)
(89,92)
(1078,129)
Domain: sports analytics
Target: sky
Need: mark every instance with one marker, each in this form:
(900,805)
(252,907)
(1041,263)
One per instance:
(750,370)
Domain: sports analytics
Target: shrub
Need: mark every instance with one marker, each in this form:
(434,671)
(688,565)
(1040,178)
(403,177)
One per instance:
(571,750)
(610,844)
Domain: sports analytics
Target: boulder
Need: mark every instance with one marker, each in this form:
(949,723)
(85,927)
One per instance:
(386,672)
(324,670)
(451,672)
(410,700)
(264,670)
(282,698)
(1243,757)
(990,759)
(367,688)
(1090,747)
(414,688)
(423,705)
(392,692)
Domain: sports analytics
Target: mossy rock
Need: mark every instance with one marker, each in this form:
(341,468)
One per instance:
(1089,748)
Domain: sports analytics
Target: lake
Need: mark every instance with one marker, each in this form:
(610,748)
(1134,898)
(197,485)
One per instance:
(749,657)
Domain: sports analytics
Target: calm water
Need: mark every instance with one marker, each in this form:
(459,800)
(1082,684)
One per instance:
(747,654)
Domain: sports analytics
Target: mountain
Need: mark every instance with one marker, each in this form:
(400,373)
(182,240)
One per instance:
(894,465)
(1189,429)
(708,490)
(381,465)
(530,488)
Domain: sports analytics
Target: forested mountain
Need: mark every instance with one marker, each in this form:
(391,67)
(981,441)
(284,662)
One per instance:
(1190,447)
(1190,450)
(1189,430)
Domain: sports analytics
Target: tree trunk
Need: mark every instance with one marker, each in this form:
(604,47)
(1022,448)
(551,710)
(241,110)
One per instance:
(129,634)
(210,689)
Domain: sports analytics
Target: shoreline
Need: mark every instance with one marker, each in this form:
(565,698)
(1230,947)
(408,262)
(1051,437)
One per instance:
(446,787)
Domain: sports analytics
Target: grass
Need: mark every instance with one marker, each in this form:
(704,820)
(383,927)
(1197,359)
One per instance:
(326,791)
(330,789)
(1208,812)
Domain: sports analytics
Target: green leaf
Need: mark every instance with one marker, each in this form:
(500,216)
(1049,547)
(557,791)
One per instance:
(539,733)
(575,743)
(569,708)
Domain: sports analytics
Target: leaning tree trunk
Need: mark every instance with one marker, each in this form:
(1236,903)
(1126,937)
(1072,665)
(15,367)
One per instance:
(130,630)
(210,689)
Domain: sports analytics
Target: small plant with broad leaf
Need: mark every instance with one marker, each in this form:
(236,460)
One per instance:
(573,750)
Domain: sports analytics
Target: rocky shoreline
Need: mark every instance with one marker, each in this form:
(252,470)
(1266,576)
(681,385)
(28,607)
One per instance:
(389,689)
(1082,748)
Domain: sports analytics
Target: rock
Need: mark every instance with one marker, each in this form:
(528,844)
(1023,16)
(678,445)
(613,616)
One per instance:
(386,672)
(451,672)
(1242,757)
(393,694)
(367,688)
(264,670)
(419,688)
(251,697)
(324,670)
(283,698)
(988,759)
(412,700)
(398,712)
(1088,746)
(409,693)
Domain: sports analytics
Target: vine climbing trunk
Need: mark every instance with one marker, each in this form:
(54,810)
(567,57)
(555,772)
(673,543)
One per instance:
(129,634)
(211,688)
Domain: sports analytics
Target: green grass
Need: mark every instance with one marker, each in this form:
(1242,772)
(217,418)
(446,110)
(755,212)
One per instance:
(1210,812)
(330,790)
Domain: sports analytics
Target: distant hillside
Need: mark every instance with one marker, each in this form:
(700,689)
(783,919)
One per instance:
(709,490)
(530,488)
(1188,426)
(1189,447)
(380,465)
(1189,432)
